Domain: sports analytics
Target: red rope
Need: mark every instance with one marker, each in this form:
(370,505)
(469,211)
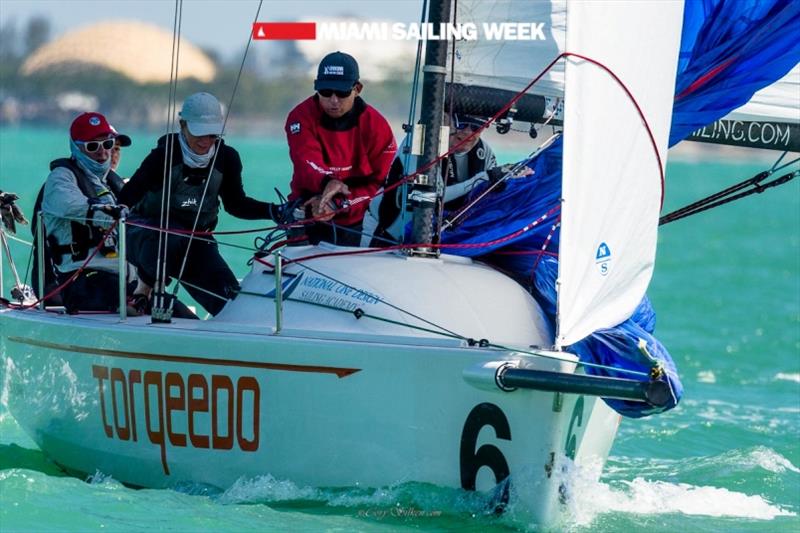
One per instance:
(428,166)
(638,110)
(494,242)
(508,106)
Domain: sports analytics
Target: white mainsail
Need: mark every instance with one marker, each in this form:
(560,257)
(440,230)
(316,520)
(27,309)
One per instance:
(611,189)
(511,64)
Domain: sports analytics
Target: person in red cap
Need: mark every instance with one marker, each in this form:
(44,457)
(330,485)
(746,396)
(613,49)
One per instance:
(341,149)
(79,204)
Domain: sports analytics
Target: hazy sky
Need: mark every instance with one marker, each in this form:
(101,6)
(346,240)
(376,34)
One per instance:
(223,25)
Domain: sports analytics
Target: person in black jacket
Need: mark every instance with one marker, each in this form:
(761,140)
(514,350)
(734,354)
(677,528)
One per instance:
(201,171)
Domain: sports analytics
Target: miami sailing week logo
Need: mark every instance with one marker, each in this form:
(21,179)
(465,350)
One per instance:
(398,31)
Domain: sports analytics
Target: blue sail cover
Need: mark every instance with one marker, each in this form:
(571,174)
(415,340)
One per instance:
(729,50)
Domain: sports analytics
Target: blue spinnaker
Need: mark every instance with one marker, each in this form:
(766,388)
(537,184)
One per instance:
(729,50)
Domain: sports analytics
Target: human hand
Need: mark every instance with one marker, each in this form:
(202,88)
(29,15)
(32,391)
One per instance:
(115,211)
(504,171)
(285,213)
(320,211)
(332,189)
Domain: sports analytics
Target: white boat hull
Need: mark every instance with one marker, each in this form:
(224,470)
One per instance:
(203,402)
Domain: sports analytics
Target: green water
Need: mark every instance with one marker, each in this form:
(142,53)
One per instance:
(727,292)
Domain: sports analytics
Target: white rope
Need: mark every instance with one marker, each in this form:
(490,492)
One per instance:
(13,238)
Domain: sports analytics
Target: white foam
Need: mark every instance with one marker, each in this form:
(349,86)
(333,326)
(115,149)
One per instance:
(706,376)
(769,459)
(786,376)
(6,385)
(590,498)
(101,478)
(267,488)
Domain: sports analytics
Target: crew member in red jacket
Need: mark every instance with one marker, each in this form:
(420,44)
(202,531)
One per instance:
(341,149)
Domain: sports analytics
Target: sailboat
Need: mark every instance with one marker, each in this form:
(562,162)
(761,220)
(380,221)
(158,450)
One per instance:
(335,367)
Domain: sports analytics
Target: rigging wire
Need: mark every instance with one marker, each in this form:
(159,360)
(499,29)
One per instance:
(166,189)
(753,185)
(216,153)
(378,298)
(412,113)
(441,331)
(511,172)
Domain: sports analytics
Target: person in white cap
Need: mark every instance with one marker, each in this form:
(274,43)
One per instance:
(202,170)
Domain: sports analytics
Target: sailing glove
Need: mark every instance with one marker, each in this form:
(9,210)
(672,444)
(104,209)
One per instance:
(496,174)
(114,211)
(10,212)
(283,213)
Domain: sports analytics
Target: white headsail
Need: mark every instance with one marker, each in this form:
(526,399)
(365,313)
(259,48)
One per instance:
(611,177)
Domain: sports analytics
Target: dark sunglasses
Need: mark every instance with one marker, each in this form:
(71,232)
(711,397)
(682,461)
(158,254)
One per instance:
(327,93)
(93,146)
(460,126)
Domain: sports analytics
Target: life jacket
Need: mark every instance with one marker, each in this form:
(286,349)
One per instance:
(476,162)
(389,208)
(186,189)
(84,236)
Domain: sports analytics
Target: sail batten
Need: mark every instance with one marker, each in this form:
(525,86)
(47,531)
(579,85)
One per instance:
(611,188)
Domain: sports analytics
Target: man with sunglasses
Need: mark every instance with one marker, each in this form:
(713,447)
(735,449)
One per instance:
(201,171)
(79,202)
(341,148)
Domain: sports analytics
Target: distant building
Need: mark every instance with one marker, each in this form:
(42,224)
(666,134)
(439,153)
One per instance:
(141,52)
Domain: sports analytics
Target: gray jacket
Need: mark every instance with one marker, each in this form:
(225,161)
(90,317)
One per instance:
(63,200)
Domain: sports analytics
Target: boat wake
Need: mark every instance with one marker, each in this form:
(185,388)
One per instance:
(592,499)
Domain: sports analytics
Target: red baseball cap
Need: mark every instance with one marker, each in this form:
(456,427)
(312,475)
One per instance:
(89,126)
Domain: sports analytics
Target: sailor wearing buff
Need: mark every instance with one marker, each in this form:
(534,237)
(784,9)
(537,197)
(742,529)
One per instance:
(202,170)
(341,149)
(79,202)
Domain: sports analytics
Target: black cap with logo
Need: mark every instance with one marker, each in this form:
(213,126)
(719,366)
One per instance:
(337,71)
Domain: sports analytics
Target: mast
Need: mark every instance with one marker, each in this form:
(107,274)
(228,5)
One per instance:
(428,188)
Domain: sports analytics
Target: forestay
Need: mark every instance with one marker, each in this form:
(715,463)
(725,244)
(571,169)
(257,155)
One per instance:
(612,187)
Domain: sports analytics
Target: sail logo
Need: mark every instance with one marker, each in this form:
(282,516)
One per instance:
(602,258)
(399,31)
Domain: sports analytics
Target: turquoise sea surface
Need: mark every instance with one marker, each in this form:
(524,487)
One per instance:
(727,292)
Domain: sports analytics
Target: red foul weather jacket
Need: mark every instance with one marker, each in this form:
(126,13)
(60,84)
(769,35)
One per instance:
(357,149)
